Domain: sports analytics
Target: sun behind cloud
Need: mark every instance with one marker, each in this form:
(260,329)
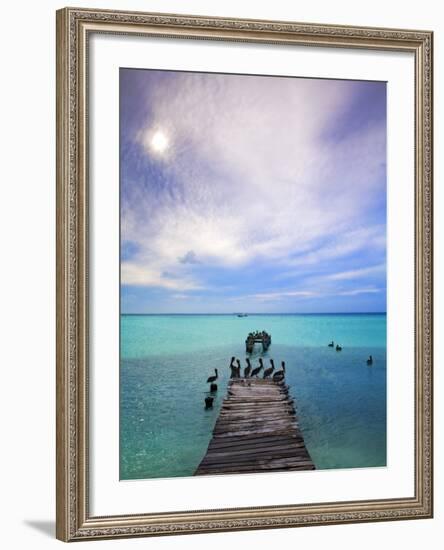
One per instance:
(157,142)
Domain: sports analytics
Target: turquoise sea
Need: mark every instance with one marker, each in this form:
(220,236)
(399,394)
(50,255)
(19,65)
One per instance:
(166,359)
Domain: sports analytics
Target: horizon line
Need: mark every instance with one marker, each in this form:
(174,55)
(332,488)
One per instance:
(266,313)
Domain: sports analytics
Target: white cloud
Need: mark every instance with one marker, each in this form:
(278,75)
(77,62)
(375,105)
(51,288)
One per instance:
(357,291)
(356,273)
(274,296)
(342,244)
(141,275)
(271,296)
(283,294)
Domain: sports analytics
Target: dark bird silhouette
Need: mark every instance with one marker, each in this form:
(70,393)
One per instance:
(370,361)
(238,369)
(258,369)
(279,375)
(233,368)
(247,369)
(268,372)
(213,378)
(338,347)
(331,344)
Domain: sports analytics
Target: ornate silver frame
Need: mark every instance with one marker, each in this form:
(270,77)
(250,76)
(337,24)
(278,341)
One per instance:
(73,519)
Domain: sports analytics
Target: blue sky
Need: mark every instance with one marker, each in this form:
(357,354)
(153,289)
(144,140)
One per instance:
(251,193)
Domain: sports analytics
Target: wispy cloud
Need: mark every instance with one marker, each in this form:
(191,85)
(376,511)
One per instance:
(285,294)
(134,274)
(356,273)
(273,296)
(341,244)
(357,291)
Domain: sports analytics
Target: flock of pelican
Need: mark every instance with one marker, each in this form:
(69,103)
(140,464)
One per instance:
(250,372)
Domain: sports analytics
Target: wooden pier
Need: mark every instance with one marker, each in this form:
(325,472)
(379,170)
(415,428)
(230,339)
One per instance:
(256,431)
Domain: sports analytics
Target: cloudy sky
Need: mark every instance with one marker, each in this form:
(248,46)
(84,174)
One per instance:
(251,193)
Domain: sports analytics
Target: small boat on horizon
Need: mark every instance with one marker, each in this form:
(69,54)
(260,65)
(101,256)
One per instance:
(242,314)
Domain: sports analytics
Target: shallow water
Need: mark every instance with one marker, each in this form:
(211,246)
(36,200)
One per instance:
(166,359)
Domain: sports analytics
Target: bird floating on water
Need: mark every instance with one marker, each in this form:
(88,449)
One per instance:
(331,344)
(338,347)
(370,361)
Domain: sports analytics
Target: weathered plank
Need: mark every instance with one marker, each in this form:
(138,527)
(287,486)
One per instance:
(256,431)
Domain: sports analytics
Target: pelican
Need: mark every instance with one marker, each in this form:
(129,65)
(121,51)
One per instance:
(238,369)
(212,379)
(247,369)
(370,361)
(280,374)
(338,347)
(331,344)
(233,368)
(258,369)
(268,372)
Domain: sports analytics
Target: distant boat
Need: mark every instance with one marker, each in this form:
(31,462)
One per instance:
(242,315)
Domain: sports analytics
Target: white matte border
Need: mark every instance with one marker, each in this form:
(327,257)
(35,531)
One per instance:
(108,495)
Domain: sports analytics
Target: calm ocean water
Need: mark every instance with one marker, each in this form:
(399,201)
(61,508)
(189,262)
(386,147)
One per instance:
(166,359)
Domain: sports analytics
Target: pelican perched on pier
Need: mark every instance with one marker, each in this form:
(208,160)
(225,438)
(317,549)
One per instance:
(268,372)
(248,368)
(258,369)
(233,368)
(238,369)
(212,379)
(280,374)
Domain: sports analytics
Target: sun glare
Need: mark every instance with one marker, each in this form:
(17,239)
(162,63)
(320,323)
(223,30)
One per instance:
(159,142)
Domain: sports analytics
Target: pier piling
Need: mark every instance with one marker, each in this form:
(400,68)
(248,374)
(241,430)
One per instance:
(257,337)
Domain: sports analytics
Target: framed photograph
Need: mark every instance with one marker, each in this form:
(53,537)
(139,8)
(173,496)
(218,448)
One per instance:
(244,274)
